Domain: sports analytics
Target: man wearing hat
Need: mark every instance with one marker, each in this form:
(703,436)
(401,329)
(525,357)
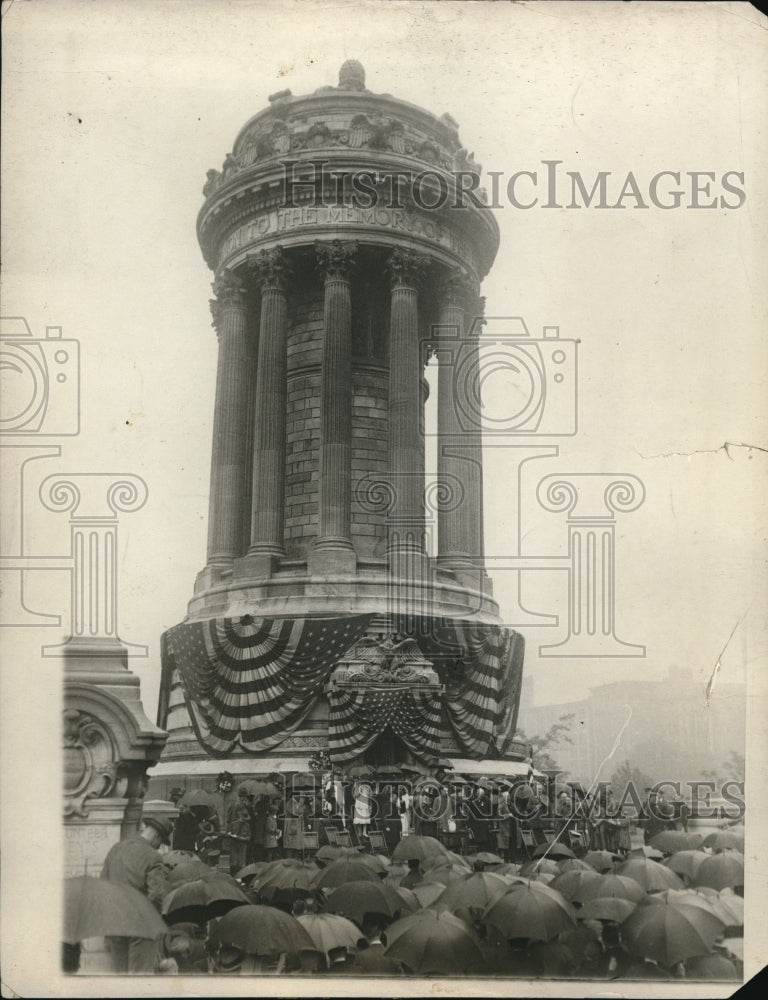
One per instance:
(137,862)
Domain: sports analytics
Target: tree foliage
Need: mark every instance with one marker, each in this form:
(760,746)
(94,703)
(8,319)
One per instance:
(545,744)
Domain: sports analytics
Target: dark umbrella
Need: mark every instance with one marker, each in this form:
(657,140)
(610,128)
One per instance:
(710,968)
(201,900)
(556,851)
(173,858)
(487,858)
(532,911)
(652,876)
(251,871)
(645,851)
(611,908)
(328,853)
(289,879)
(686,862)
(725,839)
(670,931)
(434,941)
(411,900)
(446,873)
(188,871)
(355,899)
(262,930)
(416,848)
(425,893)
(342,871)
(722,871)
(670,841)
(605,886)
(94,907)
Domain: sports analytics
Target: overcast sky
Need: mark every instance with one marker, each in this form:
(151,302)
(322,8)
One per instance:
(113,112)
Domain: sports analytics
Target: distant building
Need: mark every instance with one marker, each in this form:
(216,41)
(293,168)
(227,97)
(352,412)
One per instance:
(672,734)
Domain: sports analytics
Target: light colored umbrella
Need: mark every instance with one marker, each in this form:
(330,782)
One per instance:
(612,908)
(601,861)
(418,848)
(409,897)
(434,942)
(199,797)
(556,851)
(445,873)
(670,931)
(568,883)
(262,930)
(329,931)
(710,968)
(721,871)
(94,907)
(609,886)
(686,862)
(725,840)
(532,911)
(651,875)
(671,841)
(574,865)
(426,893)
(645,851)
(732,906)
(475,891)
(256,787)
(543,866)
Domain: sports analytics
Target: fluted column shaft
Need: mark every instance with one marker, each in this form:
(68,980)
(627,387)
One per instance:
(229,458)
(406,453)
(335,261)
(459,445)
(268,495)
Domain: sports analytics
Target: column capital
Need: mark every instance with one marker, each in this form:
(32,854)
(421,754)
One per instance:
(458,290)
(270,268)
(230,293)
(406,267)
(336,258)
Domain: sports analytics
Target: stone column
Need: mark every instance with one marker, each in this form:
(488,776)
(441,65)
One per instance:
(459,444)
(333,551)
(268,497)
(229,458)
(405,548)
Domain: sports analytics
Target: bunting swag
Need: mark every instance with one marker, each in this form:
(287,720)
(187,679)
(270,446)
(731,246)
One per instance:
(251,681)
(359,715)
(481,666)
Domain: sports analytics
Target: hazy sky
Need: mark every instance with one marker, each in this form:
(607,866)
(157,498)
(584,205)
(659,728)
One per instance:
(113,112)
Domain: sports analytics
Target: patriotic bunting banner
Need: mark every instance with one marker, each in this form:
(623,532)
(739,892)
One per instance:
(252,681)
(359,715)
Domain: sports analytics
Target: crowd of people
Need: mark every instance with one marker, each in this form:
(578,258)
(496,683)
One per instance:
(394,860)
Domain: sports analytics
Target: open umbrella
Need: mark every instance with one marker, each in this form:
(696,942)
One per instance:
(258,786)
(445,873)
(721,871)
(199,797)
(732,907)
(651,875)
(328,853)
(188,871)
(201,900)
(686,862)
(611,908)
(173,858)
(609,886)
(574,865)
(710,968)
(601,861)
(329,931)
(646,851)
(670,931)
(417,848)
(251,871)
(569,883)
(670,841)
(427,892)
(528,911)
(94,907)
(342,871)
(262,930)
(355,899)
(360,771)
(411,900)
(462,862)
(474,891)
(556,851)
(290,880)
(395,874)
(487,858)
(434,941)
(543,866)
(725,839)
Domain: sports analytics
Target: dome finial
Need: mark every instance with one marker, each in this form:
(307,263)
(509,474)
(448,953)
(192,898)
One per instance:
(352,75)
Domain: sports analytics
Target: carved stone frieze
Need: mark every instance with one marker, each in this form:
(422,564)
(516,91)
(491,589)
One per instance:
(384,662)
(90,764)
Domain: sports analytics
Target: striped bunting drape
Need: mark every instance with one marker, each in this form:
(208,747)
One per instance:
(481,666)
(252,681)
(359,715)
